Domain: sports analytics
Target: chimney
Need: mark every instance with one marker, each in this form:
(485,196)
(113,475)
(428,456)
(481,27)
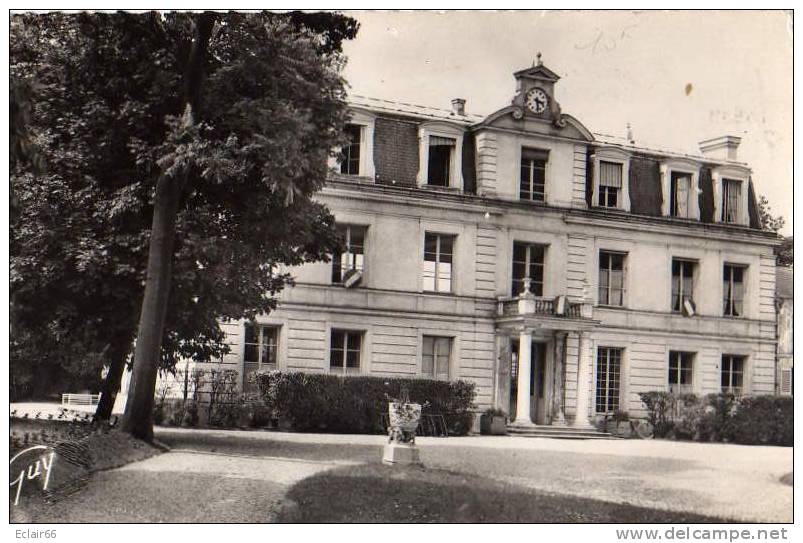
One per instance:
(459,106)
(721,148)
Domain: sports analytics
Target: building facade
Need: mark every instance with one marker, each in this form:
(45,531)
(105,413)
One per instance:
(784,289)
(475,243)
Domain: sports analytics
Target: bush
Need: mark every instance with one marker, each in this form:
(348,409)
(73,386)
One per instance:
(752,420)
(356,404)
(762,420)
(660,411)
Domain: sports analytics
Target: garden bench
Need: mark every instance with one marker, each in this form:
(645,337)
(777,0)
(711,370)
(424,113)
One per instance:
(80,399)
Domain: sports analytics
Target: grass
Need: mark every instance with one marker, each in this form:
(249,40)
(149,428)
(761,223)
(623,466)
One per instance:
(379,493)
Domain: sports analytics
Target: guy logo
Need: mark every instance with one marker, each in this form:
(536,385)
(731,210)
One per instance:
(39,461)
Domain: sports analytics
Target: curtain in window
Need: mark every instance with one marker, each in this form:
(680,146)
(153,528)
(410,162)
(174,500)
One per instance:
(731,194)
(610,174)
(682,185)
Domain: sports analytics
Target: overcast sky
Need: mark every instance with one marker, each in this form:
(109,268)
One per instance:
(615,68)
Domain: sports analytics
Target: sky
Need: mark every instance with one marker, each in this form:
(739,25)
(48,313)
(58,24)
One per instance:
(677,77)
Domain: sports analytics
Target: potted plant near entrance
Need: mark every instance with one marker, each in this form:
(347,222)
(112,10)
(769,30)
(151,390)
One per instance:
(493,422)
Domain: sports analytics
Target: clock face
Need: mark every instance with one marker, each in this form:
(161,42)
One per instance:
(536,101)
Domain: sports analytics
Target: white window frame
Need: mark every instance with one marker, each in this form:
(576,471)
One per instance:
(619,380)
(625,260)
(366,122)
(743,389)
(734,173)
(745,269)
(537,148)
(259,327)
(344,370)
(349,227)
(528,264)
(452,275)
(442,130)
(616,156)
(449,362)
(689,388)
(669,167)
(694,284)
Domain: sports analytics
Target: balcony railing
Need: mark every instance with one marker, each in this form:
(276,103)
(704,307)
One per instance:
(549,307)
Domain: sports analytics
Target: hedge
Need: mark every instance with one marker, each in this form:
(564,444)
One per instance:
(752,420)
(311,402)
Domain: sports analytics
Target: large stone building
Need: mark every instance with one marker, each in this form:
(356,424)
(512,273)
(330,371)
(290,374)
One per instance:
(475,243)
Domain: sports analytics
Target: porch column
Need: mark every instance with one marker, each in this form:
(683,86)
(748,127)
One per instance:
(523,398)
(558,418)
(581,411)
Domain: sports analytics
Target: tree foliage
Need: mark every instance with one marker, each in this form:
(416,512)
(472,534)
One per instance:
(108,117)
(768,221)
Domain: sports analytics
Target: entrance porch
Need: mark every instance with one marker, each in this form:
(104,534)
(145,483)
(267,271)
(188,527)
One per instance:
(544,351)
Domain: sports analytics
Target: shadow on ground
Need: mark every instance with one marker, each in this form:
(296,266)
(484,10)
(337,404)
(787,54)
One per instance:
(379,493)
(262,444)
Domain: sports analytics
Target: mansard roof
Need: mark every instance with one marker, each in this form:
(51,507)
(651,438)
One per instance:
(406,109)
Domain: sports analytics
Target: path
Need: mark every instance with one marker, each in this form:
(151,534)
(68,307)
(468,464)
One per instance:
(242,476)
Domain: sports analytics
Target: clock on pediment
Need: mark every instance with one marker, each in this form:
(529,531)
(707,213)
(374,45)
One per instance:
(536,100)
(535,96)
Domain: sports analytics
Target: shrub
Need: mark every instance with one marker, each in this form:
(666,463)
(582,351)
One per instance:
(762,420)
(660,411)
(752,420)
(689,411)
(356,404)
(223,398)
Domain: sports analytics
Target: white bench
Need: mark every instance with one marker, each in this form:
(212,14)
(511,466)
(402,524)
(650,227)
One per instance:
(90,400)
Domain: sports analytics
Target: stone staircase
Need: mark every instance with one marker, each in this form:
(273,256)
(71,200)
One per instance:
(559,432)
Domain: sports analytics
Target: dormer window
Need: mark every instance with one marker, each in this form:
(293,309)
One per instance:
(440,155)
(350,153)
(356,157)
(730,194)
(679,181)
(680,191)
(731,201)
(611,173)
(610,184)
(532,184)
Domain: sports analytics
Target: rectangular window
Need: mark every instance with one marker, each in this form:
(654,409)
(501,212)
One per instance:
(344,351)
(609,365)
(681,365)
(260,352)
(532,184)
(731,197)
(610,184)
(350,153)
(732,290)
(681,194)
(352,259)
(682,284)
(438,262)
(436,354)
(732,374)
(528,262)
(441,151)
(611,278)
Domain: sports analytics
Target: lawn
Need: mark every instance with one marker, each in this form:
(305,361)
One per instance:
(379,493)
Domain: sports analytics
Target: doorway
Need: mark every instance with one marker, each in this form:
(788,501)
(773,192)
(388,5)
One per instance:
(537,380)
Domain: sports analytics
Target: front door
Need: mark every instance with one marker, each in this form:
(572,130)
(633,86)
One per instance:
(537,380)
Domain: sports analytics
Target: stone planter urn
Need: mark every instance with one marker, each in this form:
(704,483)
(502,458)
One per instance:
(493,424)
(403,419)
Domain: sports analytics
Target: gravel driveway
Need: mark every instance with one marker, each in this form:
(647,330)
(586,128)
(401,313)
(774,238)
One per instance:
(243,476)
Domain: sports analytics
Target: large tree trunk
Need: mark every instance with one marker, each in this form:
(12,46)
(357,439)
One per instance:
(111,384)
(138,416)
